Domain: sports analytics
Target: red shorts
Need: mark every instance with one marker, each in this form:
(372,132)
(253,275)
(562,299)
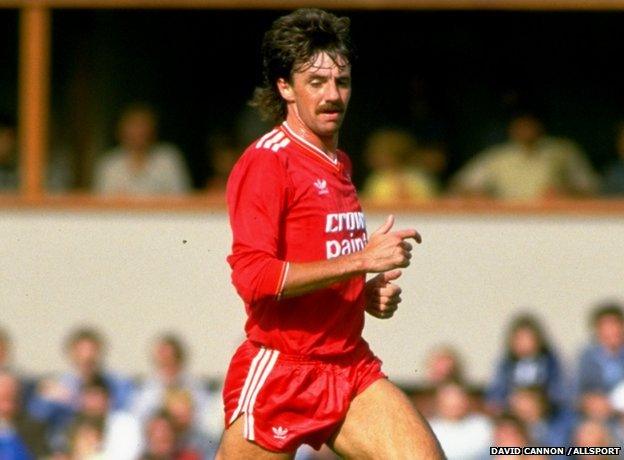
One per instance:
(290,400)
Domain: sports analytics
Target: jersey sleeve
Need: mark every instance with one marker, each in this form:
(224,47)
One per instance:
(257,194)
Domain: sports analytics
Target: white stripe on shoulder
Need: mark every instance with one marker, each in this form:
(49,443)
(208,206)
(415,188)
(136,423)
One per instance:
(250,375)
(265,137)
(249,411)
(278,137)
(282,144)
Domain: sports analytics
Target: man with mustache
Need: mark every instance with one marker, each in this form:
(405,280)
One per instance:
(300,255)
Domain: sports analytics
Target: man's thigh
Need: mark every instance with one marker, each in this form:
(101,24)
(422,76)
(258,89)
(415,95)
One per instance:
(234,446)
(382,423)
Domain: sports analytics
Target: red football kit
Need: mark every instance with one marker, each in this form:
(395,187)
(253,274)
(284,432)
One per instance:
(304,359)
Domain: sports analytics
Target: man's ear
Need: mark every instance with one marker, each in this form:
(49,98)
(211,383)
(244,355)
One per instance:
(286,90)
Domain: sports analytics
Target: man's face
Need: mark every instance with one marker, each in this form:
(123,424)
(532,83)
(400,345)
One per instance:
(160,437)
(610,331)
(591,433)
(526,405)
(452,402)
(507,434)
(94,402)
(86,355)
(137,130)
(525,130)
(9,392)
(524,342)
(181,410)
(165,356)
(319,94)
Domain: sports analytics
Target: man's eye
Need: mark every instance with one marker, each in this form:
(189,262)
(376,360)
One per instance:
(315,83)
(345,83)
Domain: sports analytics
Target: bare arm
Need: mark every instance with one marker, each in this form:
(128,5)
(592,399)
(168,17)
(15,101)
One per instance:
(386,250)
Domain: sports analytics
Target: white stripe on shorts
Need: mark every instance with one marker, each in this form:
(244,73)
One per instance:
(256,377)
(250,376)
(249,428)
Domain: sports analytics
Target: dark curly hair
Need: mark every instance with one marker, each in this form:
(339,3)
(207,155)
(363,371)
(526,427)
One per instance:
(289,45)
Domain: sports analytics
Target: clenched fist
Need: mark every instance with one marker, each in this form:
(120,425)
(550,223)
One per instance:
(382,296)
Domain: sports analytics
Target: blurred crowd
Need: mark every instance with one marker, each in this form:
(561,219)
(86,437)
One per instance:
(532,399)
(530,164)
(91,412)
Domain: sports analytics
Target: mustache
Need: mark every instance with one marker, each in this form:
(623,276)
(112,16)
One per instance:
(331,107)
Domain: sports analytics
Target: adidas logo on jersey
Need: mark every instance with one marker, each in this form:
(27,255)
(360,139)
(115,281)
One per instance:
(279,432)
(273,140)
(321,186)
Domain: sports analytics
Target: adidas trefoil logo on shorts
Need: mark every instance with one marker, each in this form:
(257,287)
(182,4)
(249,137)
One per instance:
(321,186)
(279,432)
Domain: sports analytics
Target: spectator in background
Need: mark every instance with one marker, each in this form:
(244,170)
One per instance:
(444,365)
(529,360)
(21,437)
(616,398)
(249,125)
(179,406)
(509,431)
(9,179)
(162,441)
(85,440)
(57,399)
(169,357)
(27,384)
(463,433)
(140,165)
(432,158)
(397,174)
(530,166)
(5,350)
(591,433)
(223,154)
(601,365)
(613,183)
(121,437)
(546,425)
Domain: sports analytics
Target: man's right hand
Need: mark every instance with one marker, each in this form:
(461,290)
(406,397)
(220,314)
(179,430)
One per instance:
(387,250)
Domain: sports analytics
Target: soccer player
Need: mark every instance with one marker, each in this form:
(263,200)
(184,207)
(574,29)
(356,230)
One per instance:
(300,255)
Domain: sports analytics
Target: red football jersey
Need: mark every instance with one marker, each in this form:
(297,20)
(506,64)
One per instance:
(289,202)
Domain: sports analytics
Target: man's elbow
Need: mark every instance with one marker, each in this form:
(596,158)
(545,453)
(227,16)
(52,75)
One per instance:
(253,289)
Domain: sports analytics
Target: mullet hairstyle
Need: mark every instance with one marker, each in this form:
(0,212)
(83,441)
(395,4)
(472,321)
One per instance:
(290,45)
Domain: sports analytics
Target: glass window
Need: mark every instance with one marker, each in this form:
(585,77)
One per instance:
(176,83)
(9,174)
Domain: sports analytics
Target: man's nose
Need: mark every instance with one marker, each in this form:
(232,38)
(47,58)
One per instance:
(332,93)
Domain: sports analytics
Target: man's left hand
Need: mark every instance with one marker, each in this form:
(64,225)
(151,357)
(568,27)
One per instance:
(382,296)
